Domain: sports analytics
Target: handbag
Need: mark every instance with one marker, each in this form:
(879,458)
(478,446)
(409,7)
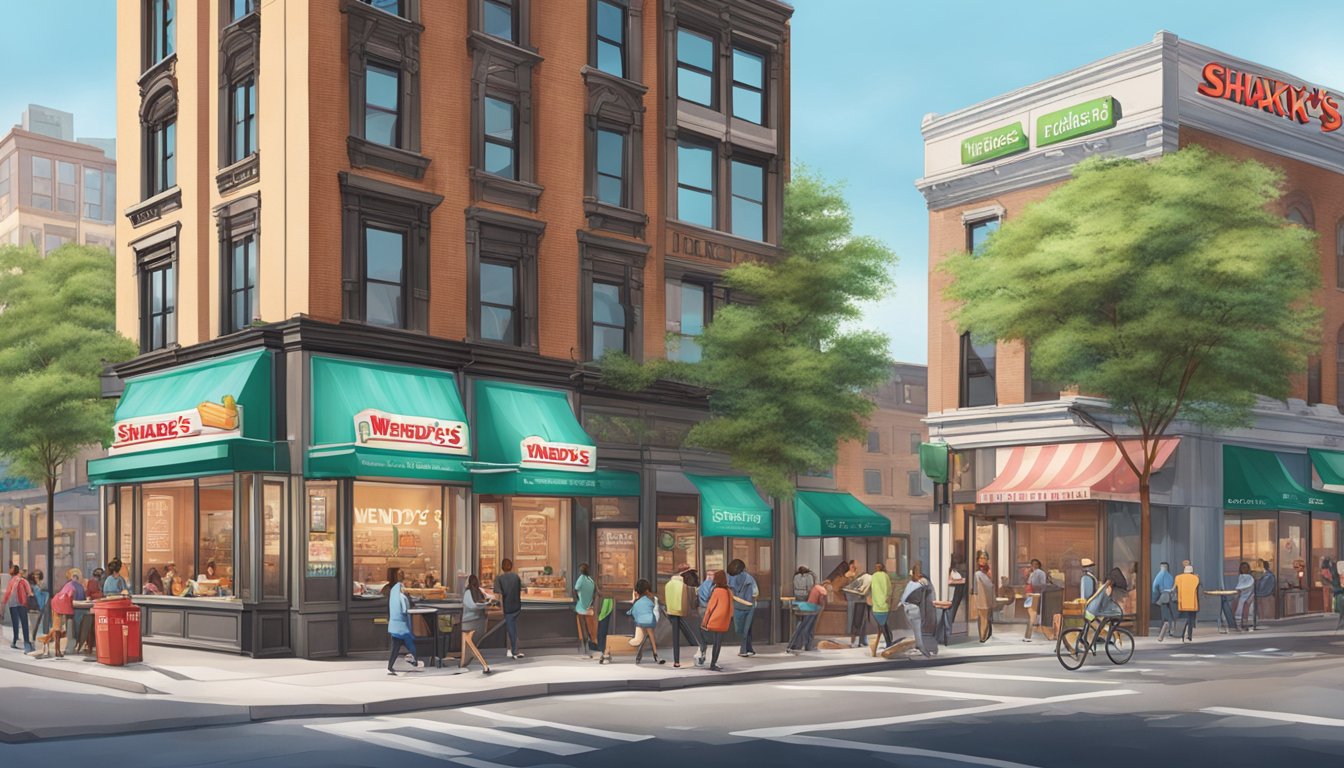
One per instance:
(1164,598)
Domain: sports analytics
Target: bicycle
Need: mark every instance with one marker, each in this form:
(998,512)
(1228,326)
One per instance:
(1073,644)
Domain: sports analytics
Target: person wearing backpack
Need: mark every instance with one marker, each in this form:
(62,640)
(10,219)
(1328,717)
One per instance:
(1164,595)
(585,590)
(644,611)
(803,581)
(17,594)
(677,597)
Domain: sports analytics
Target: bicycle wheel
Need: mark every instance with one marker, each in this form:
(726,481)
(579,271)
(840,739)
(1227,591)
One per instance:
(1120,646)
(1072,650)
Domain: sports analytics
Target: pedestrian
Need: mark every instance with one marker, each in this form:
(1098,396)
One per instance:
(93,588)
(399,622)
(880,595)
(603,628)
(917,603)
(18,593)
(678,598)
(1265,587)
(983,597)
(509,591)
(115,584)
(956,581)
(809,611)
(1245,597)
(585,590)
(1036,581)
(1337,590)
(41,597)
(745,592)
(1087,585)
(644,611)
(1164,586)
(719,610)
(1187,599)
(474,606)
(856,592)
(803,581)
(702,595)
(63,608)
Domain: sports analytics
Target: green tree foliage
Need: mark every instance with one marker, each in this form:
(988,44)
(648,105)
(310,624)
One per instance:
(785,374)
(1170,288)
(56,329)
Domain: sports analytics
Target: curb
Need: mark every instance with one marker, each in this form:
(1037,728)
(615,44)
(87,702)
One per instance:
(70,675)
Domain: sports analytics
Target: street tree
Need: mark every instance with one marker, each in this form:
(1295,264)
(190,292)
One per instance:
(1172,289)
(57,328)
(784,366)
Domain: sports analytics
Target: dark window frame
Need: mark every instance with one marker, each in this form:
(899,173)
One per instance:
(156,258)
(242,124)
(50,178)
(712,73)
(515,309)
(967,375)
(161,157)
(495,236)
(501,69)
(515,23)
(874,441)
(762,164)
(596,39)
(711,295)
(160,32)
(871,478)
(916,439)
(716,183)
(619,262)
(914,483)
(624,177)
(616,104)
(393,41)
(239,53)
(368,203)
(238,221)
(512,145)
(763,90)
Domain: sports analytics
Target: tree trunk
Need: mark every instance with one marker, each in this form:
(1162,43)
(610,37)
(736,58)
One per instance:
(1141,596)
(51,545)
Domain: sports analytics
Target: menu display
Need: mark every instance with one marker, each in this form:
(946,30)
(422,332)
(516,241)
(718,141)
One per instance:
(159,524)
(617,558)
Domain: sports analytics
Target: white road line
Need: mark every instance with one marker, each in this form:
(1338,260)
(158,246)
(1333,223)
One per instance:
(911,691)
(370,734)
(817,741)
(1281,717)
(489,736)
(782,732)
(528,722)
(1018,678)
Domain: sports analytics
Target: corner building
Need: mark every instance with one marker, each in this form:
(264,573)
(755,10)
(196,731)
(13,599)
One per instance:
(1029,479)
(370,250)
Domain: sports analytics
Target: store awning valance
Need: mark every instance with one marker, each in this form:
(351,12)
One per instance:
(1254,479)
(1330,466)
(212,458)
(826,513)
(730,506)
(544,482)
(379,420)
(205,417)
(1070,472)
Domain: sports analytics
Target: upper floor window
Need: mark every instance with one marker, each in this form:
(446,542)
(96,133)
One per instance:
(238,240)
(977,373)
(695,67)
(915,482)
(609,37)
(611,169)
(695,184)
(612,285)
(872,482)
(240,8)
(93,194)
(499,304)
(978,232)
(67,187)
(385,273)
(874,441)
(161,157)
(384,74)
(243,119)
(385,244)
(915,440)
(156,267)
(748,86)
(382,104)
(393,7)
(501,138)
(161,35)
(497,19)
(609,318)
(748,190)
(686,316)
(41,194)
(6,185)
(502,295)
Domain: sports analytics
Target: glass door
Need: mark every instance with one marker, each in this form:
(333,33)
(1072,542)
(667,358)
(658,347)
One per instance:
(1324,552)
(1293,528)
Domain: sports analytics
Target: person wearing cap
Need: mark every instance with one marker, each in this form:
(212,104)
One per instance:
(1088,585)
(1187,599)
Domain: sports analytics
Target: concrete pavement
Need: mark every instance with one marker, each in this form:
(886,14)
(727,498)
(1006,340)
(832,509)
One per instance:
(178,686)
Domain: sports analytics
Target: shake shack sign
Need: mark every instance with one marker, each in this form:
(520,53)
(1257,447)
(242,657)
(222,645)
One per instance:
(1299,103)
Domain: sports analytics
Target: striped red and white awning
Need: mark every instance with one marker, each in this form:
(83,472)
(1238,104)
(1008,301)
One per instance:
(1070,472)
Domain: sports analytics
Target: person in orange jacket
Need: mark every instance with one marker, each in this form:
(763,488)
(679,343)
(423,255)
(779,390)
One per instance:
(718,616)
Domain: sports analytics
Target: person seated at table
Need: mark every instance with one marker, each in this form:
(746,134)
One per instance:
(154,583)
(431,581)
(93,588)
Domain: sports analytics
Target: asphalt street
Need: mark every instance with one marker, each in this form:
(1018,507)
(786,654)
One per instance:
(1245,702)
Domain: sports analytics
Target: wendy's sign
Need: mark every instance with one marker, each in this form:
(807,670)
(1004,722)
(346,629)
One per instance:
(538,453)
(379,429)
(1300,103)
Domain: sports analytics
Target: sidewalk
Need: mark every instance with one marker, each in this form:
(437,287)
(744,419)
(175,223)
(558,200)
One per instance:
(179,687)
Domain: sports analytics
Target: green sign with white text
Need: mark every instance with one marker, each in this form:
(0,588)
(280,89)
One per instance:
(989,145)
(1079,120)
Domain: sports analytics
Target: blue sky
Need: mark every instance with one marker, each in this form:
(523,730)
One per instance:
(932,56)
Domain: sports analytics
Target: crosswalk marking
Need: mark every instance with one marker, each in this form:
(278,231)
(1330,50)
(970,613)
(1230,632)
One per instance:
(527,722)
(491,736)
(1277,716)
(910,691)
(1017,678)
(370,733)
(886,749)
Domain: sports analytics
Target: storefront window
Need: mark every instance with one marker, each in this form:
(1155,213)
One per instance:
(320,556)
(215,575)
(488,568)
(1061,541)
(617,558)
(1324,545)
(539,531)
(677,540)
(399,526)
(1259,539)
(242,584)
(1292,565)
(168,522)
(125,548)
(756,554)
(272,516)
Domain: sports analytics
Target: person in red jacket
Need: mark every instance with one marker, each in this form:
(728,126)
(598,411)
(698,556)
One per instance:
(17,594)
(718,615)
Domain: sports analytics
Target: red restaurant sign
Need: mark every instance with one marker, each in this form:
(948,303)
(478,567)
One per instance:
(378,429)
(1276,97)
(540,454)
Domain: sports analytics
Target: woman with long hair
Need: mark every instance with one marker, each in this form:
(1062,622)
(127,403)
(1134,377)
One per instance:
(474,603)
(645,613)
(718,616)
(399,623)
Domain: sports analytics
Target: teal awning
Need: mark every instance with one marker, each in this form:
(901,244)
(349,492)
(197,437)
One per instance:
(1255,479)
(244,377)
(381,420)
(826,513)
(1330,466)
(730,506)
(545,482)
(219,457)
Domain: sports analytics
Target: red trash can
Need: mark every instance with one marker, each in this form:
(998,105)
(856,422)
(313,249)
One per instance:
(133,652)
(109,617)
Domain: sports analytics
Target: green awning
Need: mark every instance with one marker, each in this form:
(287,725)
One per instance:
(824,513)
(730,506)
(245,377)
(1254,479)
(380,420)
(1330,466)
(546,482)
(213,458)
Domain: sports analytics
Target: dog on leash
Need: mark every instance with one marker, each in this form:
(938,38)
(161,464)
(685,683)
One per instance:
(46,641)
